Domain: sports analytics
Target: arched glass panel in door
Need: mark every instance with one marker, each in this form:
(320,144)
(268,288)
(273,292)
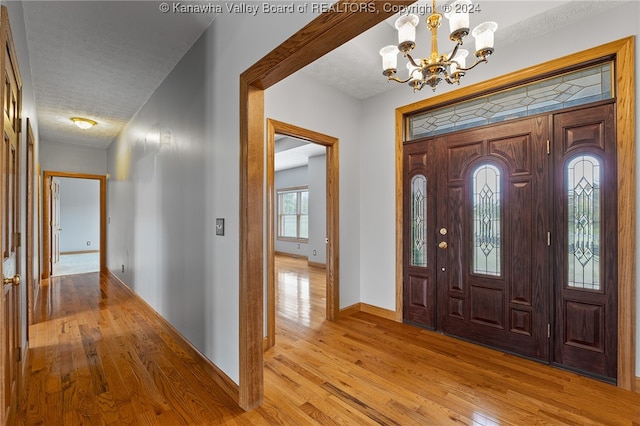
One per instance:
(486,220)
(419,221)
(583,218)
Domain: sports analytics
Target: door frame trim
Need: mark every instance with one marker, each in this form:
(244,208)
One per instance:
(622,53)
(332,197)
(46,270)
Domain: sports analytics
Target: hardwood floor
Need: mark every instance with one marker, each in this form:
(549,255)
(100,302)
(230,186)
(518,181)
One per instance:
(99,357)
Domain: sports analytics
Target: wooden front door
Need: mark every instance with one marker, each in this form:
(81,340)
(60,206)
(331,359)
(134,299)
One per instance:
(585,239)
(520,251)
(10,227)
(493,258)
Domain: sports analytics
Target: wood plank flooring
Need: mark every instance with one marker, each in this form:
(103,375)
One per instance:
(98,357)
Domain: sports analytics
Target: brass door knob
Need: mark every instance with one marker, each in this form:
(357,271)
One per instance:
(15,280)
(443,245)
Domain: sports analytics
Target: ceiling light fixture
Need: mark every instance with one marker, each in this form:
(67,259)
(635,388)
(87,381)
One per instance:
(83,123)
(432,70)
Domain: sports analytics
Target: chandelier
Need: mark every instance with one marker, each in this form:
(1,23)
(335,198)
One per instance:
(448,67)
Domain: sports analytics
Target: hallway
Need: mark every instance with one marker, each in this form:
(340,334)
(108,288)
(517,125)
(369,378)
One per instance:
(100,356)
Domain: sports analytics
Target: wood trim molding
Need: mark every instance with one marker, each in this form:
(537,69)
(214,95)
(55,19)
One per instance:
(251,286)
(350,310)
(332,184)
(379,312)
(224,381)
(295,256)
(316,265)
(622,51)
(325,33)
(46,271)
(369,309)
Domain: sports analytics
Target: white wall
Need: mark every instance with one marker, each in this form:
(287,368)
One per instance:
(79,214)
(377,162)
(61,157)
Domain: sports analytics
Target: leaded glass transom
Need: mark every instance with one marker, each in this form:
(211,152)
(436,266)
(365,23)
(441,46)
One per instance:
(486,220)
(574,88)
(583,211)
(419,221)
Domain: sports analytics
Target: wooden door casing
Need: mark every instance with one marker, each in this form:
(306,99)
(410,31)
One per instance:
(586,319)
(10,222)
(509,310)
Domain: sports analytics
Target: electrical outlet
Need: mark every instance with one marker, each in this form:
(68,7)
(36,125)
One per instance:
(88,243)
(315,252)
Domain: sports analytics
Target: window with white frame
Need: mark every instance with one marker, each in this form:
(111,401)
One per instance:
(293,214)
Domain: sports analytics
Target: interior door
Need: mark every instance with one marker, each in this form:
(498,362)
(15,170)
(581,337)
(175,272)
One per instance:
(419,292)
(586,241)
(55,224)
(493,253)
(10,227)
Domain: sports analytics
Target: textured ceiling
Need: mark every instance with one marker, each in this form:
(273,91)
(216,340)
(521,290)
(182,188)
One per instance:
(356,67)
(101,60)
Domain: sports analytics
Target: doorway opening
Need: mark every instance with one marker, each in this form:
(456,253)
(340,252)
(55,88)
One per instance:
(74,251)
(331,259)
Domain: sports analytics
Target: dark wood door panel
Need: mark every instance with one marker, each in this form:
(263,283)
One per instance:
(585,243)
(419,290)
(506,304)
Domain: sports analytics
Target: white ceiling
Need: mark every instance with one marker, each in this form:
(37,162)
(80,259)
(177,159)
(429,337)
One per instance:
(103,59)
(291,152)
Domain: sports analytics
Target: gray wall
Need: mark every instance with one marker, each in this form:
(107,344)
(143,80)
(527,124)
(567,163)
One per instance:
(174,170)
(79,214)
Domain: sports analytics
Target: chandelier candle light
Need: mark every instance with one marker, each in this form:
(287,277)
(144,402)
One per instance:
(432,70)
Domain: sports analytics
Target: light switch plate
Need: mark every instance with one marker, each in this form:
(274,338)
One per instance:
(219,226)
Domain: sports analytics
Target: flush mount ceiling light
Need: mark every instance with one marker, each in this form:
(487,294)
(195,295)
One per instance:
(83,123)
(437,67)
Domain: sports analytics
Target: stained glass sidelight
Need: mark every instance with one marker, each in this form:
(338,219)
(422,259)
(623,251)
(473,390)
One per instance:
(486,220)
(419,221)
(583,211)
